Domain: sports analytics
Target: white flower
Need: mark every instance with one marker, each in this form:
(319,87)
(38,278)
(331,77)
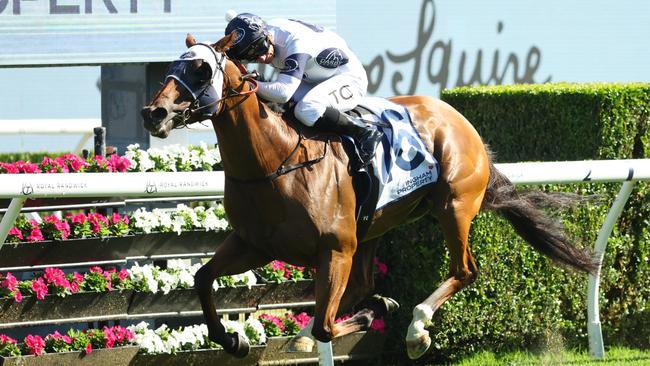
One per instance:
(234,326)
(164,218)
(247,278)
(255,330)
(140,327)
(177,224)
(185,279)
(144,161)
(183,210)
(145,220)
(178,264)
(167,281)
(213,222)
(143,277)
(150,342)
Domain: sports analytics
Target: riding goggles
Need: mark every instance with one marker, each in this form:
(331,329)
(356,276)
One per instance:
(256,49)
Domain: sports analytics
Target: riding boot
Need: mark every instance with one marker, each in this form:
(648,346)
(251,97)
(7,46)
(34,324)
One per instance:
(366,137)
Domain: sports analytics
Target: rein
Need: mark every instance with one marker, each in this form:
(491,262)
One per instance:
(283,168)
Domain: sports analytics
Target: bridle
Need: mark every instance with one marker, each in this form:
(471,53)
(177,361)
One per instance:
(195,107)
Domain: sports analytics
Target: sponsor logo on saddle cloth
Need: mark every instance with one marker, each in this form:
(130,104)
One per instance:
(402,163)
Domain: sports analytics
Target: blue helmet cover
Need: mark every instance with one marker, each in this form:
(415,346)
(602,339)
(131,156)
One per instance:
(251,35)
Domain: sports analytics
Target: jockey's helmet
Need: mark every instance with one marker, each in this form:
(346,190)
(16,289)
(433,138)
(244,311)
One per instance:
(251,39)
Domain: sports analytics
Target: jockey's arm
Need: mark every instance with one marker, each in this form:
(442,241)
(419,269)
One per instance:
(281,90)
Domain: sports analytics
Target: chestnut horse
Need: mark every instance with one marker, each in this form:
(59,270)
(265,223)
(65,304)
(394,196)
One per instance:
(306,216)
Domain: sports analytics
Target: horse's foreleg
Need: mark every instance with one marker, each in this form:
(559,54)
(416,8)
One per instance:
(233,256)
(455,223)
(332,273)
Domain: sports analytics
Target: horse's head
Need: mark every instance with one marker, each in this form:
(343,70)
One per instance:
(192,89)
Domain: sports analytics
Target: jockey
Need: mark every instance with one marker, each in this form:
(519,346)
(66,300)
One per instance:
(317,70)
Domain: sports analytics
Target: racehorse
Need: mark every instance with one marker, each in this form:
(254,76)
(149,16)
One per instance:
(289,195)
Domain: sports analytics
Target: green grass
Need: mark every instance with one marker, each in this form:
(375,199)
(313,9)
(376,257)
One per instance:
(613,357)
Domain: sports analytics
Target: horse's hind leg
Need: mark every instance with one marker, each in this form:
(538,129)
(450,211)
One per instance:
(232,256)
(455,219)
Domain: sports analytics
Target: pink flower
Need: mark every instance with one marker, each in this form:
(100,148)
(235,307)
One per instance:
(18,297)
(40,288)
(16,232)
(58,336)
(56,277)
(35,235)
(118,163)
(50,165)
(74,287)
(102,163)
(77,219)
(96,269)
(378,325)
(35,344)
(89,349)
(273,319)
(97,221)
(343,318)
(10,282)
(29,168)
(302,319)
(277,265)
(74,162)
(76,277)
(123,274)
(382,268)
(9,168)
(109,280)
(110,336)
(62,227)
(4,339)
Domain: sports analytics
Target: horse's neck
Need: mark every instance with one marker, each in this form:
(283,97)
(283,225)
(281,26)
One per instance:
(251,145)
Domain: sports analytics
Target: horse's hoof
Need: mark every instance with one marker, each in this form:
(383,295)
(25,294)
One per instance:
(391,305)
(418,346)
(300,344)
(388,305)
(241,347)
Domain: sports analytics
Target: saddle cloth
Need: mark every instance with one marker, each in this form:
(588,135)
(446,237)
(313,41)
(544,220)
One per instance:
(402,163)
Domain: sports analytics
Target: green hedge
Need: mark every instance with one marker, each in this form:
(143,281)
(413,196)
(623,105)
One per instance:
(34,157)
(520,299)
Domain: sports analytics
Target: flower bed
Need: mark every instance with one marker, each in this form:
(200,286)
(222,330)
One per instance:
(168,159)
(108,248)
(94,237)
(95,225)
(143,289)
(83,341)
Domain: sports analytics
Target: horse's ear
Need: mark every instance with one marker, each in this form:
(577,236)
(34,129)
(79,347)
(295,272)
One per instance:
(225,43)
(190,40)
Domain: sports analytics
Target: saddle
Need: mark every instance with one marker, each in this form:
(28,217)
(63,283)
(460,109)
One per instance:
(401,166)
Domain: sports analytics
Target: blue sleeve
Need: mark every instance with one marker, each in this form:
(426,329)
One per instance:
(294,65)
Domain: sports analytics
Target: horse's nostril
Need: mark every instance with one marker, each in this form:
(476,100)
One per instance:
(144,112)
(159,114)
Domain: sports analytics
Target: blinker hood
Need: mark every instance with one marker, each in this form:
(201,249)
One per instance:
(206,92)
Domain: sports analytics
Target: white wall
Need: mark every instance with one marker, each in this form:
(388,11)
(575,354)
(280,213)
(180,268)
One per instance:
(577,40)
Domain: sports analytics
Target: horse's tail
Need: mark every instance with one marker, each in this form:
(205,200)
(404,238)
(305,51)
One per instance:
(524,209)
